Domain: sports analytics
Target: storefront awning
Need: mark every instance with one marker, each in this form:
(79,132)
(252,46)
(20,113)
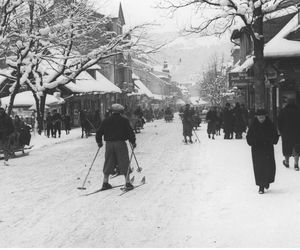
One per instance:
(85,83)
(26,99)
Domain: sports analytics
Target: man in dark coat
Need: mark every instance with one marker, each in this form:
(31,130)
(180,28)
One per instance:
(227,119)
(261,136)
(116,130)
(289,128)
(6,129)
(239,123)
(187,119)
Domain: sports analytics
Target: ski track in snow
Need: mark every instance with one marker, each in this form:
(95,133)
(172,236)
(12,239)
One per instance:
(197,195)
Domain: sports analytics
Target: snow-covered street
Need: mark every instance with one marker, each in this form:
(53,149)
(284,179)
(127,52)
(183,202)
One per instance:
(198,195)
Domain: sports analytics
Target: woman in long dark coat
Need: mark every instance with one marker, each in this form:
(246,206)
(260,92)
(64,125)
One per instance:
(289,128)
(261,136)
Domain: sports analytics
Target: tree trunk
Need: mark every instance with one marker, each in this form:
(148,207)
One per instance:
(259,62)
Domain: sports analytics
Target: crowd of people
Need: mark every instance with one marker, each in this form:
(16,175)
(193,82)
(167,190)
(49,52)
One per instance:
(261,132)
(14,134)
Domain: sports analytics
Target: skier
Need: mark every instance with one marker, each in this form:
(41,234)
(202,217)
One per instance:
(6,129)
(261,136)
(187,119)
(288,126)
(116,130)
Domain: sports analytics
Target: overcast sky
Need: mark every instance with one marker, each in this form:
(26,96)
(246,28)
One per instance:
(143,11)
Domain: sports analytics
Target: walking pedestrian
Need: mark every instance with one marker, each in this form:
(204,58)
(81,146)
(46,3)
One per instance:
(261,136)
(227,120)
(239,122)
(289,129)
(116,131)
(211,118)
(49,125)
(6,129)
(56,123)
(67,123)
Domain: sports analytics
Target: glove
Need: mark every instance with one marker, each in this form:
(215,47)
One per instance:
(133,145)
(100,144)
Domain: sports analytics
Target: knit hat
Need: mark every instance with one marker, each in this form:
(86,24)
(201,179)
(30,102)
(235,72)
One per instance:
(116,107)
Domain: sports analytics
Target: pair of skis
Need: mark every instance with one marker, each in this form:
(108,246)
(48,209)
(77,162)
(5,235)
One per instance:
(122,187)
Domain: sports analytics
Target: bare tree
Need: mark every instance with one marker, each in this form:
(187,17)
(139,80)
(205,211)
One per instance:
(217,16)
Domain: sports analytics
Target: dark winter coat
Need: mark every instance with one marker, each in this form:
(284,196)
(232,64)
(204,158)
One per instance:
(187,122)
(227,119)
(212,119)
(115,128)
(6,127)
(239,121)
(67,122)
(261,137)
(289,128)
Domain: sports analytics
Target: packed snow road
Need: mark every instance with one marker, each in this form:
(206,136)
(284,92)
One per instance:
(197,195)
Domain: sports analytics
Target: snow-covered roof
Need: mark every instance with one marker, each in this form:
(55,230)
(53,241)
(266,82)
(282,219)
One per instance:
(5,71)
(141,63)
(135,77)
(85,83)
(159,97)
(246,65)
(141,89)
(195,100)
(180,102)
(26,99)
(279,46)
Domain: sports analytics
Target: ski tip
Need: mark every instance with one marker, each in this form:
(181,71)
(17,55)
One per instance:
(132,180)
(81,188)
(143,180)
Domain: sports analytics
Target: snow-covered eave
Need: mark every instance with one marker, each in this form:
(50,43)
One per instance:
(244,66)
(279,46)
(282,48)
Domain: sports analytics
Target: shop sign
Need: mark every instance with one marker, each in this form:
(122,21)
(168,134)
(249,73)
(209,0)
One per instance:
(240,79)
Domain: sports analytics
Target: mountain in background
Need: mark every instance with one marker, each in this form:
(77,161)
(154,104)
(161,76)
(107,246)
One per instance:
(189,56)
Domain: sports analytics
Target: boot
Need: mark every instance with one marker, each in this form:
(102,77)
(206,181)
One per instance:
(261,190)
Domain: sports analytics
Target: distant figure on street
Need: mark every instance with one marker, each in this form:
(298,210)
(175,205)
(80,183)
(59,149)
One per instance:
(116,131)
(227,120)
(187,123)
(261,136)
(289,129)
(6,129)
(211,118)
(67,123)
(239,122)
(49,124)
(56,119)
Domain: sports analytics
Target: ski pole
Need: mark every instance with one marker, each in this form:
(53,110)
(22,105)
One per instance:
(139,168)
(196,135)
(127,174)
(91,124)
(83,188)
